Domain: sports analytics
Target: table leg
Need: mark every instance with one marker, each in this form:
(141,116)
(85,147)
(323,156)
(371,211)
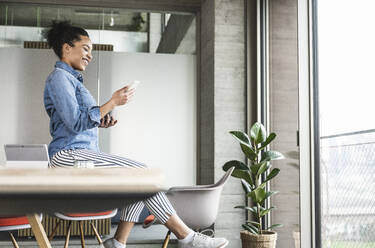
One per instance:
(38,231)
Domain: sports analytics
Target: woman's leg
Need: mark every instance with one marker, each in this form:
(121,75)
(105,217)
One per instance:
(158,204)
(123,231)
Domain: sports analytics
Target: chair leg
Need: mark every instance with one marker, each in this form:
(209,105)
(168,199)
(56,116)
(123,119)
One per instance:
(68,235)
(13,240)
(81,232)
(166,240)
(96,233)
(50,237)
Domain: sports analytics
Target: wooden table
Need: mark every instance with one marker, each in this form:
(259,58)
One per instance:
(32,191)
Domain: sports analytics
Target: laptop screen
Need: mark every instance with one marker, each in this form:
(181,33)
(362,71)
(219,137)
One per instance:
(26,153)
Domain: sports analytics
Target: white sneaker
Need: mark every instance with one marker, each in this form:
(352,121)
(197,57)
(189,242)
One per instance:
(203,241)
(110,243)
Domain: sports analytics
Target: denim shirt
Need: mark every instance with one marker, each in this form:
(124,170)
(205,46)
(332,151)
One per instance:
(73,111)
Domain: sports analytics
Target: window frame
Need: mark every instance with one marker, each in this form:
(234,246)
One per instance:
(307,123)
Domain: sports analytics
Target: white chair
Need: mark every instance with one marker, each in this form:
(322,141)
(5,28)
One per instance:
(197,206)
(82,217)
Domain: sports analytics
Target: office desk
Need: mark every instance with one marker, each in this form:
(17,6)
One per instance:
(31,191)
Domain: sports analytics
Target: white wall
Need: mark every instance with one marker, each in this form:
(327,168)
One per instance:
(158,127)
(23,118)
(23,73)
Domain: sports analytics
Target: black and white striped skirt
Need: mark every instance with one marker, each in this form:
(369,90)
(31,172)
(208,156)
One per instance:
(158,204)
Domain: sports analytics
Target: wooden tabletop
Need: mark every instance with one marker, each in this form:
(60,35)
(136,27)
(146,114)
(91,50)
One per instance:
(24,191)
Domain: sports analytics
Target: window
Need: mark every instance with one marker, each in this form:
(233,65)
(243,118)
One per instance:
(345,134)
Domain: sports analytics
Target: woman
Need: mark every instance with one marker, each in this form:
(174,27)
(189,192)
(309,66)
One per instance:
(74,119)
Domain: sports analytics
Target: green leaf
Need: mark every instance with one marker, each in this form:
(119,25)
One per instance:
(248,151)
(256,224)
(266,211)
(263,167)
(271,155)
(256,167)
(271,137)
(272,174)
(275,225)
(237,164)
(242,207)
(250,228)
(251,209)
(241,137)
(245,175)
(269,193)
(258,133)
(258,195)
(246,186)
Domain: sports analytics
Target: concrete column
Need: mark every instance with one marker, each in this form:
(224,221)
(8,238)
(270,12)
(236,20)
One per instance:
(222,104)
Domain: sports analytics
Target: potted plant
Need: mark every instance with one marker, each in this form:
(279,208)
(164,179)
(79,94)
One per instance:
(254,178)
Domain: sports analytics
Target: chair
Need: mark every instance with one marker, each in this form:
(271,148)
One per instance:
(14,223)
(82,217)
(197,206)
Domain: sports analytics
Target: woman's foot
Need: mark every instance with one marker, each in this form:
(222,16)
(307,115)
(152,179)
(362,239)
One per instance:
(198,240)
(113,243)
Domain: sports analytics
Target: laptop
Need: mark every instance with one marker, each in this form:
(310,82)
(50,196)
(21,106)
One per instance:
(26,156)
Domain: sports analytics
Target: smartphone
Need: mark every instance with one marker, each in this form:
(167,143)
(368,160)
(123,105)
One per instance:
(133,85)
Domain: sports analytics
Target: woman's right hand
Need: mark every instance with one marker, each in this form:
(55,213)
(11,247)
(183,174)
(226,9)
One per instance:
(122,96)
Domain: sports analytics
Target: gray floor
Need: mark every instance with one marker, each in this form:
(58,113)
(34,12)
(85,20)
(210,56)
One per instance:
(151,237)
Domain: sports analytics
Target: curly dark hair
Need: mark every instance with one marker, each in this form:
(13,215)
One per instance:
(62,32)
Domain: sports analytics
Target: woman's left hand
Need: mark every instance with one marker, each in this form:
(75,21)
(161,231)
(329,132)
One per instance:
(107,121)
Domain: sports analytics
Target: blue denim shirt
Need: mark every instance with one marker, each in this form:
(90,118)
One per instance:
(73,111)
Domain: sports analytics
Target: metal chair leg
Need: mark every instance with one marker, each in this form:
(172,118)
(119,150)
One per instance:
(50,237)
(13,240)
(96,233)
(68,235)
(166,240)
(82,235)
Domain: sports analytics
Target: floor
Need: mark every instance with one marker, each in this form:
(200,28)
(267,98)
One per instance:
(146,238)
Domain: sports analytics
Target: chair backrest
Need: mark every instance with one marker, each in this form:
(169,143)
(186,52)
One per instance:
(198,206)
(225,178)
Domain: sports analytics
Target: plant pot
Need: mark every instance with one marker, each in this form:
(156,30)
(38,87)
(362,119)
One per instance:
(265,240)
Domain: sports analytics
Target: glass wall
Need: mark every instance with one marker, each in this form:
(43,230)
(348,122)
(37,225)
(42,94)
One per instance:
(345,46)
(157,128)
(125,30)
